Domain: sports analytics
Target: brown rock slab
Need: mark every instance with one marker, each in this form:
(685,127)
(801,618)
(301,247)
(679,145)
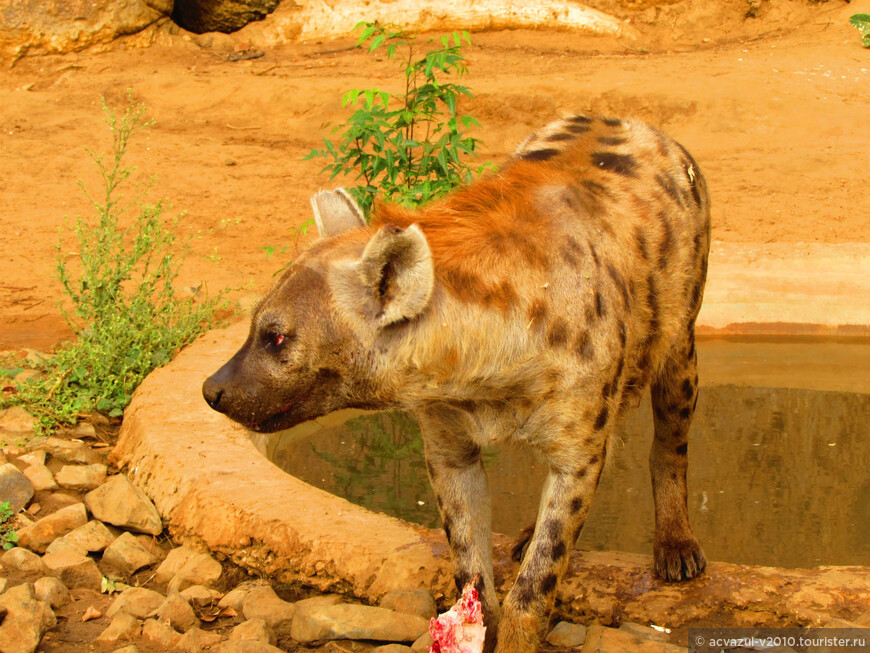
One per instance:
(51,591)
(220,15)
(17,420)
(139,602)
(411,601)
(568,635)
(70,451)
(26,620)
(347,621)
(422,643)
(200,569)
(61,544)
(15,487)
(123,628)
(173,562)
(392,648)
(197,640)
(254,629)
(600,639)
(262,603)
(41,477)
(42,533)
(200,595)
(244,646)
(33,458)
(74,570)
(23,560)
(125,556)
(81,478)
(160,634)
(643,631)
(120,503)
(93,536)
(176,611)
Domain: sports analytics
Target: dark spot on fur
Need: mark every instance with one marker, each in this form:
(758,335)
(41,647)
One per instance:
(659,413)
(601,420)
(619,367)
(695,178)
(640,239)
(622,164)
(691,353)
(578,129)
(552,530)
(577,502)
(560,136)
(580,473)
(696,295)
(682,449)
(579,120)
(431,469)
(688,389)
(548,584)
(666,243)
(596,189)
(620,284)
(558,551)
(667,184)
(525,592)
(447,529)
(558,333)
(572,252)
(622,335)
(612,140)
(594,460)
(685,413)
(594,256)
(612,122)
(540,155)
(583,346)
(599,305)
(538,311)
(461,579)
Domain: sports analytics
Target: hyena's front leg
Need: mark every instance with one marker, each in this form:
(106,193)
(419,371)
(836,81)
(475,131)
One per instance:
(459,482)
(676,552)
(565,503)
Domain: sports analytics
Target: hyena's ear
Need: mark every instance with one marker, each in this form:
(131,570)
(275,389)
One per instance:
(335,211)
(392,281)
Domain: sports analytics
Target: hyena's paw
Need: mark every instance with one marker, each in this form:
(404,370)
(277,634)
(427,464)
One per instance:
(678,560)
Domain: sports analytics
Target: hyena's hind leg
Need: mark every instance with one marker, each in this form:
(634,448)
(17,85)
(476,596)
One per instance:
(676,552)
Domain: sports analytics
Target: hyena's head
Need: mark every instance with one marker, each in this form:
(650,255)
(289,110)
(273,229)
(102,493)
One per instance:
(320,339)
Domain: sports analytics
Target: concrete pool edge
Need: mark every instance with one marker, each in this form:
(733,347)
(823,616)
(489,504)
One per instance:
(210,483)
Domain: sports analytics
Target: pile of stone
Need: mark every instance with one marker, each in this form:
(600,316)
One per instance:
(97,532)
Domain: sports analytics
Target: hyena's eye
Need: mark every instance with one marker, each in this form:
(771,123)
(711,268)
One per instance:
(277,339)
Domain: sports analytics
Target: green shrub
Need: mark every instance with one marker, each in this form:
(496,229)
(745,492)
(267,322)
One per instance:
(127,316)
(411,146)
(861,22)
(8,537)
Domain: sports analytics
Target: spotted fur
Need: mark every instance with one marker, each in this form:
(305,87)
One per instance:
(532,306)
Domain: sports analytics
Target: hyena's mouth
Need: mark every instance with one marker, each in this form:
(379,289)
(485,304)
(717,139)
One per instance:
(277,421)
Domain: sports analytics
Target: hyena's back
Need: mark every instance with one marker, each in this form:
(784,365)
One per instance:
(595,221)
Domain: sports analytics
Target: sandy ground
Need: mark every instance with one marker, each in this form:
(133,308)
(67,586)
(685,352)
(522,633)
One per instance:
(772,107)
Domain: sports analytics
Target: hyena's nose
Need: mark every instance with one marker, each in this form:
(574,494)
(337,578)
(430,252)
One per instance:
(212,393)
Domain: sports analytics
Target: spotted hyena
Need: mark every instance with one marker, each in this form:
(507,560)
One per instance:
(533,307)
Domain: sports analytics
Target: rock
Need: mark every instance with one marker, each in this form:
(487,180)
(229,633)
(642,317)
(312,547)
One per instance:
(39,535)
(55,26)
(567,635)
(17,420)
(200,595)
(263,603)
(23,560)
(51,591)
(124,628)
(83,430)
(75,571)
(125,556)
(422,643)
(26,620)
(41,478)
(643,631)
(161,635)
(122,504)
(220,15)
(235,598)
(138,602)
(254,629)
(93,536)
(70,451)
(864,620)
(196,640)
(416,601)
(81,478)
(392,648)
(33,458)
(61,544)
(201,569)
(600,639)
(174,561)
(177,613)
(127,649)
(346,621)
(15,487)
(244,646)
(4,584)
